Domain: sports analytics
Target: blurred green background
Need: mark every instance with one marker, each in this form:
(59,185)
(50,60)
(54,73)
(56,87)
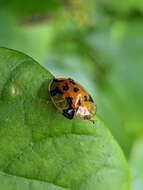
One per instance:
(99,43)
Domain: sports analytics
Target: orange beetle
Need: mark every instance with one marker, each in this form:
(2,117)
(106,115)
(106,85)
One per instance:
(71,99)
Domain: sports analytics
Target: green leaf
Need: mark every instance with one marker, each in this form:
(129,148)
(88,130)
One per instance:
(8,182)
(42,149)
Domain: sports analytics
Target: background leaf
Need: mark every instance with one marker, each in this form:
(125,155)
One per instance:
(38,143)
(136,165)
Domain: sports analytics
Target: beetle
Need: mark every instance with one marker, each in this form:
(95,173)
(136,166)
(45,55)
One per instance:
(71,99)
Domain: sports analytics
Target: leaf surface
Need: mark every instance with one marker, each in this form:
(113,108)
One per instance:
(42,149)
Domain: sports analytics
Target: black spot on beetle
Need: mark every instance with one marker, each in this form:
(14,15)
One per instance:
(69,113)
(59,91)
(76,89)
(65,87)
(85,98)
(69,101)
(90,99)
(55,91)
